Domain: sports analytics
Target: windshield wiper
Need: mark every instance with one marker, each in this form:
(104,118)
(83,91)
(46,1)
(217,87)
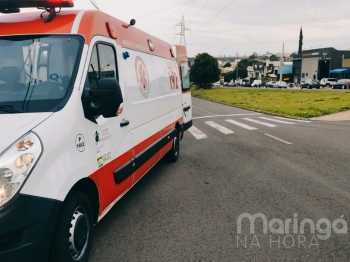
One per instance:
(9,109)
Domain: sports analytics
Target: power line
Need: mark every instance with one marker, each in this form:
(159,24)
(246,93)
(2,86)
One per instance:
(273,25)
(190,7)
(216,15)
(166,9)
(278,42)
(198,12)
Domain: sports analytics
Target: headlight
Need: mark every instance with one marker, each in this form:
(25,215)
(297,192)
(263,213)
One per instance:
(16,163)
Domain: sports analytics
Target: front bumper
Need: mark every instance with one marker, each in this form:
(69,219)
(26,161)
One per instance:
(26,228)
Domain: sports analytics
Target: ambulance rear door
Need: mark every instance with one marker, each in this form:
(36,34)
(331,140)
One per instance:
(182,61)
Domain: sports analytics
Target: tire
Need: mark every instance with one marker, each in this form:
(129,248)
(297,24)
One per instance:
(173,154)
(73,235)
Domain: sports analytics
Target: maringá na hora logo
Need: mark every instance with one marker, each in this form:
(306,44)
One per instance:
(142,76)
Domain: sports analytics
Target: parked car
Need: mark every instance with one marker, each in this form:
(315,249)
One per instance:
(256,83)
(310,83)
(246,83)
(270,84)
(328,81)
(280,84)
(216,83)
(341,84)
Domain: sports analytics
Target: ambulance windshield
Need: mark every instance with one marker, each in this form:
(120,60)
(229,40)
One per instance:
(37,73)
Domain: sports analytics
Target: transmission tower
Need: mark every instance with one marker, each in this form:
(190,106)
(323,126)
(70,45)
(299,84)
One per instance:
(182,34)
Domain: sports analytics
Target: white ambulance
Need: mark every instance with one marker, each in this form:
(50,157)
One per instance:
(88,104)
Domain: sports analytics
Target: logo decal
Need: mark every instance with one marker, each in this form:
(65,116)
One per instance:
(142,76)
(172,76)
(97,137)
(80,143)
(100,161)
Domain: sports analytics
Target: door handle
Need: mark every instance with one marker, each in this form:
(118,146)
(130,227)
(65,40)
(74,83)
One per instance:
(124,123)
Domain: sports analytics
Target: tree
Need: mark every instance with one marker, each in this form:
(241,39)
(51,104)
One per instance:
(253,56)
(227,64)
(204,71)
(300,41)
(274,58)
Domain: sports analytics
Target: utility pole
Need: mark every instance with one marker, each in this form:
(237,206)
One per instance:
(182,34)
(237,68)
(281,73)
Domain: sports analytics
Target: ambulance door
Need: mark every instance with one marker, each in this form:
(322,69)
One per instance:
(182,60)
(110,139)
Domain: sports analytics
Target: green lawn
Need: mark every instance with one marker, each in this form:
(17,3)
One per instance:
(294,103)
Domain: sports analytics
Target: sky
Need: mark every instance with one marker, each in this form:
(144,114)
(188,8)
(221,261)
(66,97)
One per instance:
(227,27)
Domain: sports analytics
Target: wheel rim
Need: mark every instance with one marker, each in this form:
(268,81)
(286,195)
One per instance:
(79,233)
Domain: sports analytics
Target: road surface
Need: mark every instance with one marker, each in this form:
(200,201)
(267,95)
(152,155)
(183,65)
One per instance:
(293,175)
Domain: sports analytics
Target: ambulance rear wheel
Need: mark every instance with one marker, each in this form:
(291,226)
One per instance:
(73,237)
(173,154)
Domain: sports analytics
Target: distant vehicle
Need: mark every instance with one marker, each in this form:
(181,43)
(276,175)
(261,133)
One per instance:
(280,84)
(216,83)
(341,84)
(271,84)
(226,83)
(232,83)
(328,81)
(310,83)
(246,82)
(256,83)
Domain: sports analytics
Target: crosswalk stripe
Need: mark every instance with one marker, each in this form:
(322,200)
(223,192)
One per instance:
(259,122)
(240,124)
(291,119)
(222,129)
(278,121)
(197,133)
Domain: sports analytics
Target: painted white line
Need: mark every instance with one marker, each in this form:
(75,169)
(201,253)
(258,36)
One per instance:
(203,110)
(278,121)
(291,119)
(197,133)
(279,139)
(240,124)
(252,114)
(259,122)
(222,129)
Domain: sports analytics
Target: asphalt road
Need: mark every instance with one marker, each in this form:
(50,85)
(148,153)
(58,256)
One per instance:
(189,210)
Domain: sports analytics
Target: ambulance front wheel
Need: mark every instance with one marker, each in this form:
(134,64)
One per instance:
(73,237)
(173,154)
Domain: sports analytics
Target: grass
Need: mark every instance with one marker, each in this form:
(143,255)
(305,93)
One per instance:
(293,103)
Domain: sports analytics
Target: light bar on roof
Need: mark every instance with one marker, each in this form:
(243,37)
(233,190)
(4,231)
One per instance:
(11,4)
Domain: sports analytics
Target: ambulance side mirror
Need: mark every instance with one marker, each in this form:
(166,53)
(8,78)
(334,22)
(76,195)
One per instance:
(105,100)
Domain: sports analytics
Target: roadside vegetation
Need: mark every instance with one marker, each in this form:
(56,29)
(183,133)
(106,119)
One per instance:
(293,103)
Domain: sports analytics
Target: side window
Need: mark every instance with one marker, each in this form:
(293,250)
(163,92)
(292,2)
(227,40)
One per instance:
(185,76)
(102,64)
(107,61)
(93,73)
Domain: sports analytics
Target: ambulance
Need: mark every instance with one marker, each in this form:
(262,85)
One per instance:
(88,105)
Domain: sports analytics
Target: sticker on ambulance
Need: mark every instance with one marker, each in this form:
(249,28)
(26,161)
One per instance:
(142,76)
(103,147)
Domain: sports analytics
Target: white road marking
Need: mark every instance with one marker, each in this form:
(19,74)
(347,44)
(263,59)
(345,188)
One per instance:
(279,139)
(240,124)
(278,121)
(222,129)
(203,110)
(252,114)
(197,133)
(259,122)
(291,119)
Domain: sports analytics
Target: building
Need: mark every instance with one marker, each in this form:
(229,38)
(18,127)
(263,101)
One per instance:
(318,63)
